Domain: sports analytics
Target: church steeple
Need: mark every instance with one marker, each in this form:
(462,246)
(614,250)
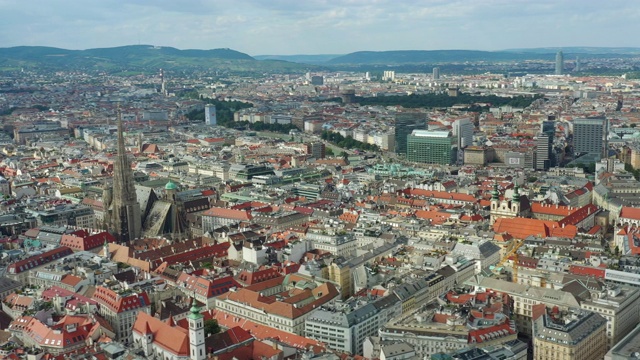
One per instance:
(196,333)
(495,194)
(125,220)
(516,193)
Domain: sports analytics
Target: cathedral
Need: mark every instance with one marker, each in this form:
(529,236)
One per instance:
(121,208)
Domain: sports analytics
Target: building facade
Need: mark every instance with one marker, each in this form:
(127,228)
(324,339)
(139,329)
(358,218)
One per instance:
(431,147)
(588,135)
(405,124)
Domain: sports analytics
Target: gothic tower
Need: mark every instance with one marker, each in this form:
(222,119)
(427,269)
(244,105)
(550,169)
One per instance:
(196,333)
(125,221)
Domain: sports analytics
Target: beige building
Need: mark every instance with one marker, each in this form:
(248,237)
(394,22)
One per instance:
(568,335)
(283,302)
(620,306)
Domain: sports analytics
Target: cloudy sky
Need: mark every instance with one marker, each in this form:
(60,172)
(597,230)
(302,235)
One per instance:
(260,27)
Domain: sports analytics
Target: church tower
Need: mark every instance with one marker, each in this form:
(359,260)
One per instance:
(515,202)
(196,333)
(125,220)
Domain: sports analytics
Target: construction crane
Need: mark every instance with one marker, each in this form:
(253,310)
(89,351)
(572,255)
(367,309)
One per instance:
(512,252)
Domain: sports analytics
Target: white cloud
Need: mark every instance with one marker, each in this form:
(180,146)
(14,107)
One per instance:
(319,26)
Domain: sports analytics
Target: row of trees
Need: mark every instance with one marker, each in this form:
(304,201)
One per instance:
(347,142)
(224,111)
(444,100)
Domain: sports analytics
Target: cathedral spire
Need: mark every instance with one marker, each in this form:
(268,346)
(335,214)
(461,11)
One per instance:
(125,221)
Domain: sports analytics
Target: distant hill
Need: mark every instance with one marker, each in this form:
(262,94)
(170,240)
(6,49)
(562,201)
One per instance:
(457,56)
(303,59)
(135,58)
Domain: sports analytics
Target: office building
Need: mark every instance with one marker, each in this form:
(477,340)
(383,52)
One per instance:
(316,150)
(574,334)
(463,131)
(436,73)
(345,326)
(559,63)
(317,80)
(431,147)
(405,124)
(626,349)
(588,136)
(548,127)
(544,145)
(210,115)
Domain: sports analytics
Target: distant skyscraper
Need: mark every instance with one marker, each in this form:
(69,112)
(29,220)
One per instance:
(436,73)
(210,115)
(559,63)
(577,67)
(388,75)
(163,86)
(123,217)
(589,136)
(405,124)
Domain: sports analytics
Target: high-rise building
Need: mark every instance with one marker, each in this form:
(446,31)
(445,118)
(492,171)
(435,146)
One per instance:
(317,80)
(463,131)
(588,136)
(544,145)
(388,75)
(548,127)
(431,147)
(559,63)
(122,210)
(577,67)
(210,117)
(436,73)
(316,150)
(405,124)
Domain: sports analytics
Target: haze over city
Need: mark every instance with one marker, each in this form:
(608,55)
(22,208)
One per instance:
(319,27)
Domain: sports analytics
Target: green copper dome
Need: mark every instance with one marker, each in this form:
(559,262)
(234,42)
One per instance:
(171,186)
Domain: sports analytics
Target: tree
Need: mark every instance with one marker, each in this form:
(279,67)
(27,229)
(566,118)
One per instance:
(211,327)
(328,152)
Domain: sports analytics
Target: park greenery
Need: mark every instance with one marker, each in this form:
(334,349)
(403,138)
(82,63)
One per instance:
(444,101)
(347,142)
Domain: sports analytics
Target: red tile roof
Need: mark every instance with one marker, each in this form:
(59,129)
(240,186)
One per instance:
(110,299)
(82,240)
(521,228)
(228,213)
(174,339)
(630,213)
(39,260)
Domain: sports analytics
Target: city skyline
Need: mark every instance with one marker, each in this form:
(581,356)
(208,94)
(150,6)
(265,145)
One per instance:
(288,27)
